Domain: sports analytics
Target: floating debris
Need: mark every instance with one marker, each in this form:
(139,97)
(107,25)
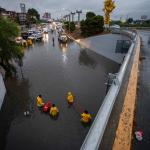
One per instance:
(139,135)
(26,113)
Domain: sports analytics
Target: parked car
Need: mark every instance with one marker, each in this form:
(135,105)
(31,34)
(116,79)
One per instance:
(63,38)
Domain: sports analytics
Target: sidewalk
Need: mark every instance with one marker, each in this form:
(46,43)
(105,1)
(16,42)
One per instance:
(142,116)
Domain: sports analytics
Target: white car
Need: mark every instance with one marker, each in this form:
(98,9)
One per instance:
(115,26)
(45,30)
(35,37)
(63,38)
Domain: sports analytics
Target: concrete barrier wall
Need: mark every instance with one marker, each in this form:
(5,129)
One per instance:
(95,134)
(2,90)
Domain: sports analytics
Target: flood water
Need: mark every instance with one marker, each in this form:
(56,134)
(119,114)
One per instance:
(53,70)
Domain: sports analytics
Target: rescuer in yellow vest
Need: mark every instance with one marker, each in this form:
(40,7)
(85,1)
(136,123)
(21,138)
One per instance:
(85,117)
(54,111)
(39,101)
(29,41)
(70,98)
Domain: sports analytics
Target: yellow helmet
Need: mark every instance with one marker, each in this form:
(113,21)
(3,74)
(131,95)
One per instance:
(69,93)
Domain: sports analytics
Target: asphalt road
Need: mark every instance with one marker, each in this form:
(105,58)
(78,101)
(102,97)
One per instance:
(142,116)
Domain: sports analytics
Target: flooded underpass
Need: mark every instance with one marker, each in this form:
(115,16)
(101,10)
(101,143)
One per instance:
(52,70)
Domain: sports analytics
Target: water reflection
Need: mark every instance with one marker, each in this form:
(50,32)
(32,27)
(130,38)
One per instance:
(86,59)
(64,49)
(45,38)
(16,102)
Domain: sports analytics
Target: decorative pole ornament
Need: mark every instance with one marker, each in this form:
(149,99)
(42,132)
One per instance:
(109,6)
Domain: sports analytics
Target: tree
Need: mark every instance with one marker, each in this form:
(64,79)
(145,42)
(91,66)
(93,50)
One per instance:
(129,20)
(92,25)
(32,16)
(9,50)
(90,15)
(72,26)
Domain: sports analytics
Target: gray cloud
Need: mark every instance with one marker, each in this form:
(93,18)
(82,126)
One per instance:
(133,8)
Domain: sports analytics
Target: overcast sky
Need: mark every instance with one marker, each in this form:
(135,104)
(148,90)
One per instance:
(58,8)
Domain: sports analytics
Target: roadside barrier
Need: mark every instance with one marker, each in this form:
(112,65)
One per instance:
(95,134)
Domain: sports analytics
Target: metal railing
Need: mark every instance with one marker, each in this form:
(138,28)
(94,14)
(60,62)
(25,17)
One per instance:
(95,134)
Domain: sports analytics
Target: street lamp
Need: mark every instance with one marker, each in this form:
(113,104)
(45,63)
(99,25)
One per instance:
(69,22)
(73,13)
(78,12)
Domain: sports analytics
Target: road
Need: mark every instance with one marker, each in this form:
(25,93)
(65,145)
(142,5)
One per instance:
(142,116)
(53,70)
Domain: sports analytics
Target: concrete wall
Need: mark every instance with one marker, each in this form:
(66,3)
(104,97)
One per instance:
(2,90)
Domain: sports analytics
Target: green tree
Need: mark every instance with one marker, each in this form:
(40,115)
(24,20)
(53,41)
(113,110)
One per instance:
(32,16)
(72,26)
(129,20)
(9,49)
(90,15)
(92,25)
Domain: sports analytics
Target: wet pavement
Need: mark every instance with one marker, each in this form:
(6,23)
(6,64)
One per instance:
(53,70)
(96,44)
(142,116)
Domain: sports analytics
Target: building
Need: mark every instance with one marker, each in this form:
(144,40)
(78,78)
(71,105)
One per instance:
(23,8)
(46,16)
(9,14)
(2,10)
(22,18)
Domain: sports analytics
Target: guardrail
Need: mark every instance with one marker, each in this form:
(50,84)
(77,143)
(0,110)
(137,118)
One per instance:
(2,90)
(95,134)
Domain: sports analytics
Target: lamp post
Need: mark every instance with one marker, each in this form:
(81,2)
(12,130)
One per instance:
(78,12)
(73,13)
(69,22)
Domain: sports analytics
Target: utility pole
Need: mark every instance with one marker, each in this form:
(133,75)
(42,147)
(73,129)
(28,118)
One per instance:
(78,12)
(67,17)
(69,22)
(73,13)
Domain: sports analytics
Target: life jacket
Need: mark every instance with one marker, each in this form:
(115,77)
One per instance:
(70,98)
(85,118)
(54,111)
(39,101)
